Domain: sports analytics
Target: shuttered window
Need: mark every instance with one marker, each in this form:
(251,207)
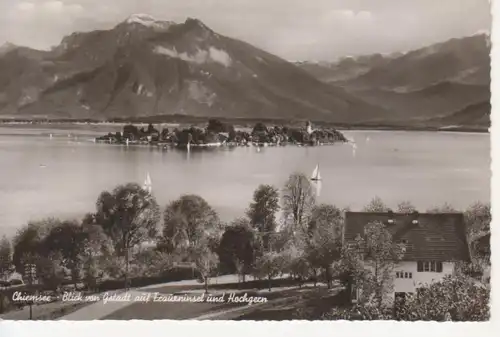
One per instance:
(420,266)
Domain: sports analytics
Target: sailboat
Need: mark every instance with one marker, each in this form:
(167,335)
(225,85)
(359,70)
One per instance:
(147,183)
(316,176)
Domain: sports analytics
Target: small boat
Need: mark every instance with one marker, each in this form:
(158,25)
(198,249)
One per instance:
(147,183)
(316,176)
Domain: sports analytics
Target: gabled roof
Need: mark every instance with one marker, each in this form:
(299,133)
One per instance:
(436,236)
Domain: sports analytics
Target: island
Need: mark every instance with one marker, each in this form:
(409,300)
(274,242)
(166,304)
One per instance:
(218,133)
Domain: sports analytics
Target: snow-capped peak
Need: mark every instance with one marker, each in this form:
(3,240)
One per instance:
(143,19)
(482,32)
(147,20)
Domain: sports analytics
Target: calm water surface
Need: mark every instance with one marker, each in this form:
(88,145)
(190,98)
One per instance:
(63,176)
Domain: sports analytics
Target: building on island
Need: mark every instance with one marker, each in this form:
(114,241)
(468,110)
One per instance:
(433,244)
(309,127)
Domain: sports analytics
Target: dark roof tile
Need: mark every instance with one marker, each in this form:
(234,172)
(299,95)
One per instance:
(437,236)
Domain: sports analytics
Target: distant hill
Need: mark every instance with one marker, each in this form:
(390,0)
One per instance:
(430,82)
(145,67)
(477,115)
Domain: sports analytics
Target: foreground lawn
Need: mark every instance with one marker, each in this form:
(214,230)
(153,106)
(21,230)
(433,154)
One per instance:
(309,304)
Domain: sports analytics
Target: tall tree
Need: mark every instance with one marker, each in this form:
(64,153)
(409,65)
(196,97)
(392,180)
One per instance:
(5,256)
(377,256)
(129,215)
(188,220)
(262,211)
(324,242)
(298,200)
(28,244)
(376,205)
(238,248)
(68,239)
(98,251)
(478,219)
(204,258)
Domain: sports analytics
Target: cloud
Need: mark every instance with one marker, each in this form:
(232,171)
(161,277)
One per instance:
(25,6)
(54,6)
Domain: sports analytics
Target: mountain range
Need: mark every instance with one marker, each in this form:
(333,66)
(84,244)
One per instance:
(144,67)
(148,68)
(432,84)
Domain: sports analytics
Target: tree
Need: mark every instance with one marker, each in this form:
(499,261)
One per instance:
(455,298)
(187,220)
(238,248)
(298,199)
(131,132)
(28,244)
(262,210)
(68,239)
(406,207)
(376,205)
(216,126)
(98,251)
(295,262)
(129,216)
(5,256)
(259,128)
(269,265)
(371,262)
(205,259)
(445,208)
(324,242)
(478,219)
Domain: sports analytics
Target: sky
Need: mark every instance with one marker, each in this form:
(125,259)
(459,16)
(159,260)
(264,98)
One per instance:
(314,30)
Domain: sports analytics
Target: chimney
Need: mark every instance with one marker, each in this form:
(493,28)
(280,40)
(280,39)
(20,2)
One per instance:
(414,218)
(390,220)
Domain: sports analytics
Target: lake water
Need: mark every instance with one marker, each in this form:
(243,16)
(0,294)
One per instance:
(63,176)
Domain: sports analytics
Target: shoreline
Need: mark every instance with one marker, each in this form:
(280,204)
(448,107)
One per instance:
(339,127)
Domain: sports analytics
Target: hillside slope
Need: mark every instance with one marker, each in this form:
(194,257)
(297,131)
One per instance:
(144,67)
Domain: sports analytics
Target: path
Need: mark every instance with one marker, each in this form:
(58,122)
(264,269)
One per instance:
(99,310)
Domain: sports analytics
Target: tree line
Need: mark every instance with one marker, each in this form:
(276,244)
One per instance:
(217,131)
(128,236)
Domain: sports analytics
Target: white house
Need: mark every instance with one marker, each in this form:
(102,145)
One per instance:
(434,243)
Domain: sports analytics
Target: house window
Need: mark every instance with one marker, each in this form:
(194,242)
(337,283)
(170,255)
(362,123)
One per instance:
(430,266)
(400,274)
